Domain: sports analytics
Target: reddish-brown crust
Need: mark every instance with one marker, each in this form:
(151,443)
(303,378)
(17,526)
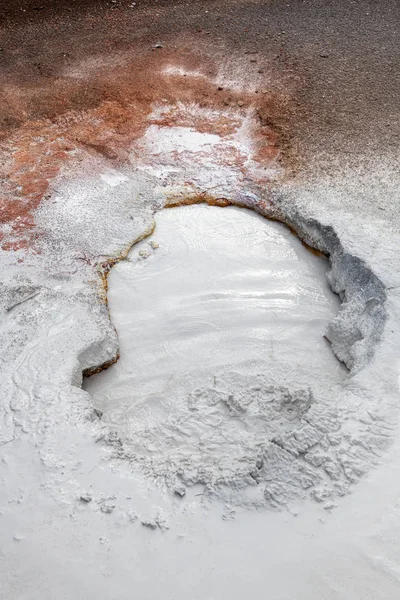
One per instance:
(37,149)
(83,74)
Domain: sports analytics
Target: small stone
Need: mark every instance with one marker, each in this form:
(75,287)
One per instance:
(324,55)
(158,45)
(85,498)
(240,103)
(180,490)
(149,524)
(132,516)
(106,505)
(154,245)
(255,475)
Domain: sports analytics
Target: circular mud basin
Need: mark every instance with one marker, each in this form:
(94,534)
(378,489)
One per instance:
(225,378)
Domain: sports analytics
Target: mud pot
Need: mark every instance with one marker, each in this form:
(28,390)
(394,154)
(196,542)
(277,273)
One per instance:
(199,299)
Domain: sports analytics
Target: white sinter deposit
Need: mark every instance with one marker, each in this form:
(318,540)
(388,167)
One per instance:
(220,317)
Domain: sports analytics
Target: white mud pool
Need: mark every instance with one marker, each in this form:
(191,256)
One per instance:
(221,316)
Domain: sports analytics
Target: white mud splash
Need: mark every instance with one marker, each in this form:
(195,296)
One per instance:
(221,317)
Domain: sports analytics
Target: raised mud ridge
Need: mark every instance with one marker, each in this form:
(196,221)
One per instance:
(357,329)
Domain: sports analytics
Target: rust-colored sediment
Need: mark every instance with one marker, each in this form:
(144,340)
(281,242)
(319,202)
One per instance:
(100,103)
(35,153)
(197,198)
(81,76)
(94,370)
